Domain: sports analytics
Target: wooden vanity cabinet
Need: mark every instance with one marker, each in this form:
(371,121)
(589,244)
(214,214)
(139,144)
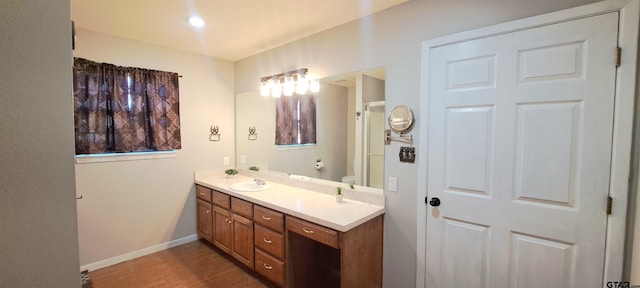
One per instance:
(242,231)
(205,213)
(323,257)
(289,251)
(233,227)
(270,244)
(222,229)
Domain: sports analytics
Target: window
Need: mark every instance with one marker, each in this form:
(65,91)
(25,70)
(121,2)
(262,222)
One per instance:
(296,120)
(124,109)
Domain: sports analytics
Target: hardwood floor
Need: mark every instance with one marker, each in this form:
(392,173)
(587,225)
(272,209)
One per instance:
(195,264)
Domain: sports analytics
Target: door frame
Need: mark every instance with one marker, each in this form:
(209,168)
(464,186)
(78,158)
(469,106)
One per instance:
(625,93)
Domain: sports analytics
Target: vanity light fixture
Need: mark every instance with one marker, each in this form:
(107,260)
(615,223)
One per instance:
(298,81)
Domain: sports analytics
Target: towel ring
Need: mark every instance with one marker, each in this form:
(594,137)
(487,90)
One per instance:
(214,136)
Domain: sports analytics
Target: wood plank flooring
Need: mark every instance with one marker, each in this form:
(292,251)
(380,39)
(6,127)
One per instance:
(195,264)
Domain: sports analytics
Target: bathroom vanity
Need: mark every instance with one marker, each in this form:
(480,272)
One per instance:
(294,235)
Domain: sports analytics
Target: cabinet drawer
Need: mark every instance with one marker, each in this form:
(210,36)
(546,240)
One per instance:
(269,241)
(220,199)
(268,218)
(312,231)
(242,207)
(203,193)
(270,268)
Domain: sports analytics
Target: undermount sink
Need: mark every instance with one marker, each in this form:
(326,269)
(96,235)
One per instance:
(248,187)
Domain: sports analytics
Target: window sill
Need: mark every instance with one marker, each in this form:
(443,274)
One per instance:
(295,147)
(118,157)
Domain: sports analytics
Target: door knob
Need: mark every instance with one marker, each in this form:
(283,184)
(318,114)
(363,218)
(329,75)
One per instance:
(434,202)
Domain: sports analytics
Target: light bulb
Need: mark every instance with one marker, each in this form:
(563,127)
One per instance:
(302,85)
(314,85)
(265,87)
(288,86)
(276,89)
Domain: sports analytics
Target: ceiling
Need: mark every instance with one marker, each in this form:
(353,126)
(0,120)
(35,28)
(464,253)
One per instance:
(234,29)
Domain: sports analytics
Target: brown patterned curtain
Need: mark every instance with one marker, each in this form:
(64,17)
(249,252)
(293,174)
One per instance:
(123,109)
(162,93)
(92,85)
(307,119)
(293,127)
(128,108)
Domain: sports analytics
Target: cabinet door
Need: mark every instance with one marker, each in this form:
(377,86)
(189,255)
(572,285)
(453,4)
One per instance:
(242,248)
(222,228)
(205,220)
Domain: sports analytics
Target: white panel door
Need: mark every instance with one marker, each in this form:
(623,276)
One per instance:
(520,135)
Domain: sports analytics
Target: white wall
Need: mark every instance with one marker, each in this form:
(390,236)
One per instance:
(38,234)
(132,205)
(372,89)
(331,134)
(392,38)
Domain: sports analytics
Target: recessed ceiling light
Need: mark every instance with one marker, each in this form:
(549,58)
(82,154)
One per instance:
(196,21)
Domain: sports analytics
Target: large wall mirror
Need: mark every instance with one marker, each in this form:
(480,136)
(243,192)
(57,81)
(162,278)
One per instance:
(350,123)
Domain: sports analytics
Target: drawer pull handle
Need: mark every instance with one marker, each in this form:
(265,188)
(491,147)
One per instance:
(202,193)
(267,266)
(266,218)
(308,231)
(266,240)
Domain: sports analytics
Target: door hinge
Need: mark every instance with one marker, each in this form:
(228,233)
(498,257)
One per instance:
(618,56)
(609,204)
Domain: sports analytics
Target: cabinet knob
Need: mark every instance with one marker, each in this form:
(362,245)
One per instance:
(308,231)
(208,211)
(267,266)
(266,218)
(266,240)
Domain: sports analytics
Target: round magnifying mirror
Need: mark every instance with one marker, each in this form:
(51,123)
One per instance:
(401,119)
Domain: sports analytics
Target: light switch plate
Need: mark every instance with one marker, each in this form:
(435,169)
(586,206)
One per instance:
(243,159)
(393,184)
(226,160)
(407,154)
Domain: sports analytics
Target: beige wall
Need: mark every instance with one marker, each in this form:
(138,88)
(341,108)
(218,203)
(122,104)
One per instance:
(331,134)
(38,236)
(132,205)
(392,38)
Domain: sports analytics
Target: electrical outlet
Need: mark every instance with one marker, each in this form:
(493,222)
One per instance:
(393,184)
(243,159)
(226,160)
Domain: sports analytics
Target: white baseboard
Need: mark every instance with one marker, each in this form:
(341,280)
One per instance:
(138,253)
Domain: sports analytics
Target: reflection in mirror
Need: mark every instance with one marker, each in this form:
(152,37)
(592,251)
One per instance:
(350,119)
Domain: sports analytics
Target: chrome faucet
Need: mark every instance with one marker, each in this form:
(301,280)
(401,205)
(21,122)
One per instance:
(259,181)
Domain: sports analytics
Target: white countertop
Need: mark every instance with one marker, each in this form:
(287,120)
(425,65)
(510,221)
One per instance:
(312,206)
